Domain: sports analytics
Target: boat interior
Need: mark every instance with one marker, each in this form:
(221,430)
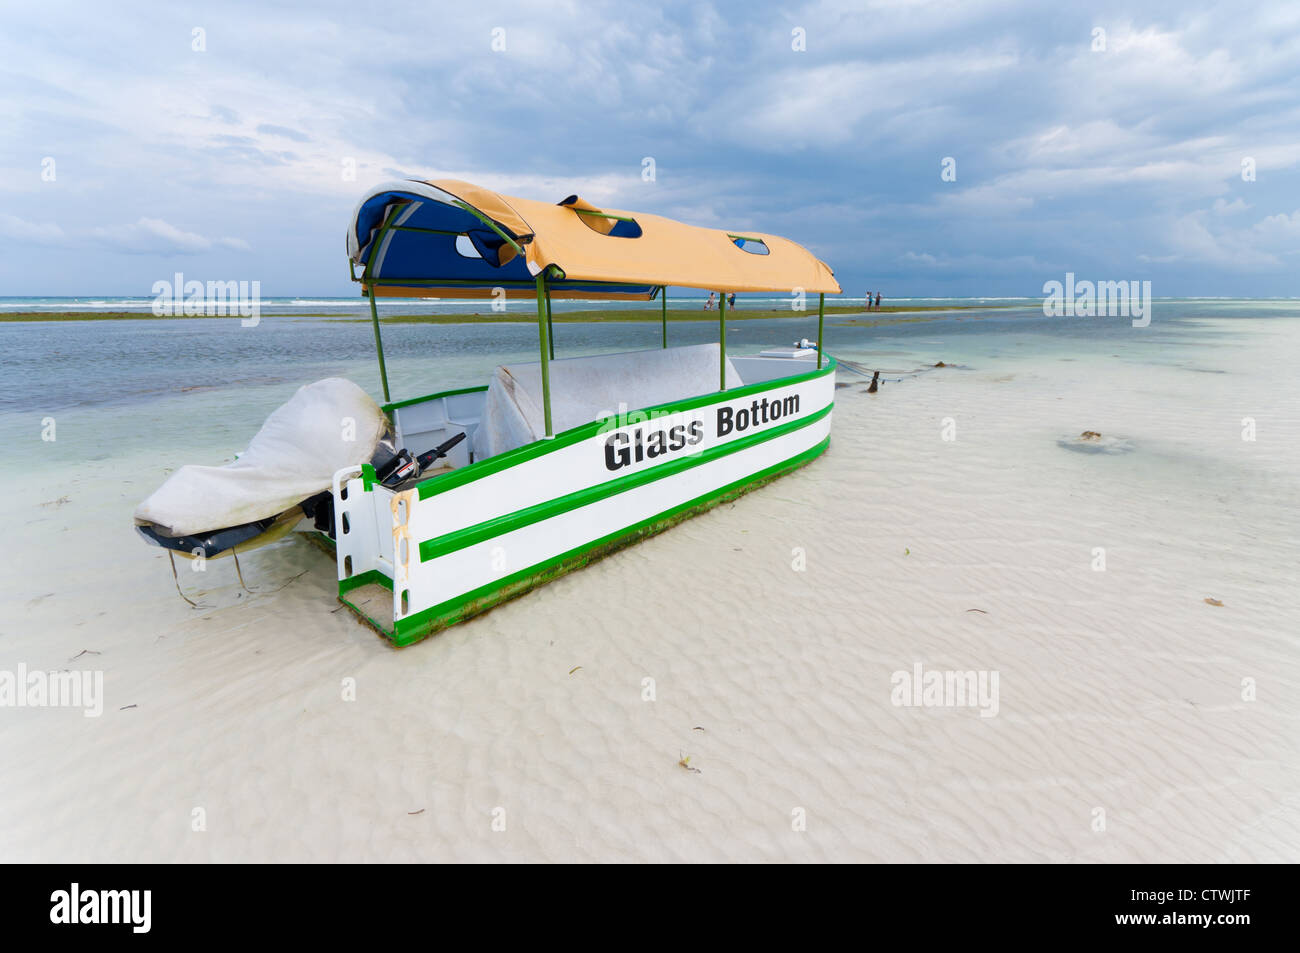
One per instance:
(427,422)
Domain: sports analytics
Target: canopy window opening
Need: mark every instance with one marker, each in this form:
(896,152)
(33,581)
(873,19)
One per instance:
(602,222)
(755,246)
(610,225)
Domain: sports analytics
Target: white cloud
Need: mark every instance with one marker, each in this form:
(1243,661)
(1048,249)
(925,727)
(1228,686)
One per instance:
(1199,238)
(976,263)
(148,235)
(33,233)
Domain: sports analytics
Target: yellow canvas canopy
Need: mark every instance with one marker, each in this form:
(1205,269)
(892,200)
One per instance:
(447,234)
(450,239)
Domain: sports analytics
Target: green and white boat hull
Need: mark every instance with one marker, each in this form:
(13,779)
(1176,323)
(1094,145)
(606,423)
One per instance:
(466,540)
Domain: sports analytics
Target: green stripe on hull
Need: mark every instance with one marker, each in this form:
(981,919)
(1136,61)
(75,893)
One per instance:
(428,621)
(529,451)
(509,522)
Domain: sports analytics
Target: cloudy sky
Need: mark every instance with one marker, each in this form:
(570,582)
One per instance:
(132,147)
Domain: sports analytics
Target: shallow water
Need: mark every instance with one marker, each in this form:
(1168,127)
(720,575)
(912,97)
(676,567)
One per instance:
(182,386)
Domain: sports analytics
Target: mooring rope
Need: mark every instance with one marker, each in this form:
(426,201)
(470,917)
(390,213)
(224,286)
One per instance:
(239,572)
(854,365)
(177,579)
(866,372)
(253,592)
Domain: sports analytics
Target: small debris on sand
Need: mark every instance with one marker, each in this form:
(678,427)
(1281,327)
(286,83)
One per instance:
(1212,602)
(1090,441)
(686,763)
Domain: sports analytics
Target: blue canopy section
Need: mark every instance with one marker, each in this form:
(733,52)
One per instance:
(430,242)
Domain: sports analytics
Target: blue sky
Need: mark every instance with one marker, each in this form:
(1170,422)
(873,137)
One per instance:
(228,162)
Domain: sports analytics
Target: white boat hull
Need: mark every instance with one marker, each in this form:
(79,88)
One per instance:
(464,541)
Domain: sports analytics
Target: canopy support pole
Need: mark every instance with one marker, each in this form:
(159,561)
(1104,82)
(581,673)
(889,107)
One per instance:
(821,321)
(379,344)
(550,328)
(722,340)
(543,340)
(389,221)
(663,304)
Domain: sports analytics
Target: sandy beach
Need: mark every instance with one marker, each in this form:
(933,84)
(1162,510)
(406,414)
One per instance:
(724,691)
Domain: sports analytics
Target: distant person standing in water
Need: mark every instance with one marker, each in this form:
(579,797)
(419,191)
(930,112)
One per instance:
(731,302)
(868,300)
(877,300)
(708,305)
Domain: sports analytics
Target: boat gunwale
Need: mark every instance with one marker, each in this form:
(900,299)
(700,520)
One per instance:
(398,404)
(503,461)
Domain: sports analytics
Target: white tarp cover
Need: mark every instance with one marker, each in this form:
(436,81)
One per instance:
(295,455)
(584,389)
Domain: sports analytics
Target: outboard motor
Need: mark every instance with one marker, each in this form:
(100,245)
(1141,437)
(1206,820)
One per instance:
(404,467)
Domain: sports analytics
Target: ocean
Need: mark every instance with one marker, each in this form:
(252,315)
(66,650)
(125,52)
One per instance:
(218,367)
(195,389)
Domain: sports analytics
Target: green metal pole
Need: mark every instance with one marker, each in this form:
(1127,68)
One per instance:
(722,340)
(663,303)
(379,345)
(490,224)
(544,341)
(370,288)
(821,321)
(550,328)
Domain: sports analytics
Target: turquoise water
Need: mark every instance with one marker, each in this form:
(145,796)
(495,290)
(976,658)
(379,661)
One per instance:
(180,387)
(357,306)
